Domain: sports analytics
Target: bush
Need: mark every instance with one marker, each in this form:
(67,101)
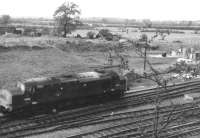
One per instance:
(78,36)
(109,37)
(105,33)
(90,35)
(154,47)
(143,37)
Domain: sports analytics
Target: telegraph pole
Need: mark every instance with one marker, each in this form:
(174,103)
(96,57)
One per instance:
(145,58)
(145,54)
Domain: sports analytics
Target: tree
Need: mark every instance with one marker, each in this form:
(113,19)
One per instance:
(67,17)
(158,126)
(5,19)
(104,20)
(147,23)
(189,23)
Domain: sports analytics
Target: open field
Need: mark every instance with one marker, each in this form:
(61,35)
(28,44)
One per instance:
(174,40)
(19,62)
(25,57)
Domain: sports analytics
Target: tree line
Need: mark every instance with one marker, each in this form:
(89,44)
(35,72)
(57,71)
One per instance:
(66,18)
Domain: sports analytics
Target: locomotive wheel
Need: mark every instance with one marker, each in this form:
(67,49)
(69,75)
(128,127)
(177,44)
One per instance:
(51,110)
(121,93)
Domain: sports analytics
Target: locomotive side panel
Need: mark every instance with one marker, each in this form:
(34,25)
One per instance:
(46,93)
(76,90)
(93,87)
(66,91)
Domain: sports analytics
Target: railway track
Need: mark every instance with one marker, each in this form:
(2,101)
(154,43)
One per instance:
(132,93)
(185,130)
(174,131)
(147,94)
(84,114)
(130,126)
(127,117)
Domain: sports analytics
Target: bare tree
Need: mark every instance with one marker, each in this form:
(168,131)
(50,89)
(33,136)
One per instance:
(155,76)
(162,86)
(67,17)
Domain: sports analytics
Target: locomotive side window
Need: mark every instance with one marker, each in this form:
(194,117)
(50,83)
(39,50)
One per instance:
(40,86)
(30,90)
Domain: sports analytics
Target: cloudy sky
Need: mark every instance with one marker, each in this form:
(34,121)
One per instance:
(136,9)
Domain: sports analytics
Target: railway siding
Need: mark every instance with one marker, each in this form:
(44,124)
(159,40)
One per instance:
(108,119)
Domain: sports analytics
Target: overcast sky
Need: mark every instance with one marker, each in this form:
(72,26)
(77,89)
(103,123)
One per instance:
(132,9)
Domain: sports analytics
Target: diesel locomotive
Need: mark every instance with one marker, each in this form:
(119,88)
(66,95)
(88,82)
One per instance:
(70,88)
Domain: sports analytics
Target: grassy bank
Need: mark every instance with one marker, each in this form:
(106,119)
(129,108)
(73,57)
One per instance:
(26,57)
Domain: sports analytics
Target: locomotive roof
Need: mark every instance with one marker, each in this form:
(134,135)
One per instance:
(67,78)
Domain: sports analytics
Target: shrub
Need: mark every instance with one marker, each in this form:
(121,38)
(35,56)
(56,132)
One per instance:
(143,37)
(105,33)
(90,35)
(154,47)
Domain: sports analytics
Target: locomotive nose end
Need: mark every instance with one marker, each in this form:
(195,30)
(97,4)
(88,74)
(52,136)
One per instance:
(5,100)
